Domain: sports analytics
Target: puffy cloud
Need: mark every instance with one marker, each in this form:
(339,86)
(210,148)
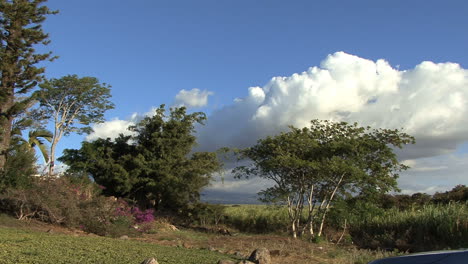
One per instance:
(110,129)
(192,98)
(428,102)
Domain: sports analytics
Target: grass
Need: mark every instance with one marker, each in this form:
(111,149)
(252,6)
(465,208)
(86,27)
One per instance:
(257,218)
(25,246)
(432,227)
(28,242)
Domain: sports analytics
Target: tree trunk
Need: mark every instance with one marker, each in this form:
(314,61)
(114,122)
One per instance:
(56,138)
(327,208)
(6,123)
(294,231)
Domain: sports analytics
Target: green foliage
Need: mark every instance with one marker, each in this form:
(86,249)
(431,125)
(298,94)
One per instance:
(257,218)
(21,246)
(458,194)
(70,201)
(432,227)
(155,167)
(312,166)
(50,200)
(20,32)
(19,168)
(204,214)
(71,104)
(36,137)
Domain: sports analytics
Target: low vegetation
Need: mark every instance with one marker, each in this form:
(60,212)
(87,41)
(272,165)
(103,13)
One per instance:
(37,242)
(26,246)
(431,227)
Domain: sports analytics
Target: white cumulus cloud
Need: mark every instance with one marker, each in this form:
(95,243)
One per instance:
(192,98)
(110,129)
(428,101)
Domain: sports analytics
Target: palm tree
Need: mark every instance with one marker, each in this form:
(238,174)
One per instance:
(36,141)
(35,137)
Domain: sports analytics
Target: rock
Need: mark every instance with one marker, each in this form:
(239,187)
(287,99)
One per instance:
(124,237)
(245,262)
(226,262)
(260,256)
(150,261)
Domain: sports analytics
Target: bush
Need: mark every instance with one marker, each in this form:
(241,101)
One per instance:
(49,200)
(204,214)
(75,202)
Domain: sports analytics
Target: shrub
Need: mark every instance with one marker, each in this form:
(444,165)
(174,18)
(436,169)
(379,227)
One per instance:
(75,202)
(204,214)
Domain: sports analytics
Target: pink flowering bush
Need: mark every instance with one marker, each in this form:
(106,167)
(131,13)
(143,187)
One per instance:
(76,203)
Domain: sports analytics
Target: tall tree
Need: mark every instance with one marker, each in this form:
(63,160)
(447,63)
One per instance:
(21,162)
(20,33)
(155,167)
(312,166)
(72,104)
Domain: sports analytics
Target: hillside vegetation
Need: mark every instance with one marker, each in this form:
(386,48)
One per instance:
(27,246)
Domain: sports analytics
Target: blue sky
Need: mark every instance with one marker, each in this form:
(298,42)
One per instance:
(151,50)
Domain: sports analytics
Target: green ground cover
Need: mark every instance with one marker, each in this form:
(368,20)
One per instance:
(26,246)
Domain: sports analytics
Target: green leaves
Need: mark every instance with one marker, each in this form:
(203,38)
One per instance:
(20,32)
(319,163)
(73,103)
(156,167)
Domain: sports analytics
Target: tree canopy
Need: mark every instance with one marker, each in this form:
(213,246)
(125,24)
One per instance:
(155,167)
(311,166)
(71,104)
(20,32)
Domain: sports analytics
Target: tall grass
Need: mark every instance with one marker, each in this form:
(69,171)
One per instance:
(431,227)
(257,218)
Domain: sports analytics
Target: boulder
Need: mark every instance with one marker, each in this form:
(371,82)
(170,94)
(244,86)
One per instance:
(260,256)
(245,262)
(124,237)
(150,261)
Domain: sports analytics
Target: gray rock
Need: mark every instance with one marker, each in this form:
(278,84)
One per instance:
(150,261)
(260,256)
(124,237)
(245,262)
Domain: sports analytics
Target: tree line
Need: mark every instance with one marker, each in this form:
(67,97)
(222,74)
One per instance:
(156,166)
(29,101)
